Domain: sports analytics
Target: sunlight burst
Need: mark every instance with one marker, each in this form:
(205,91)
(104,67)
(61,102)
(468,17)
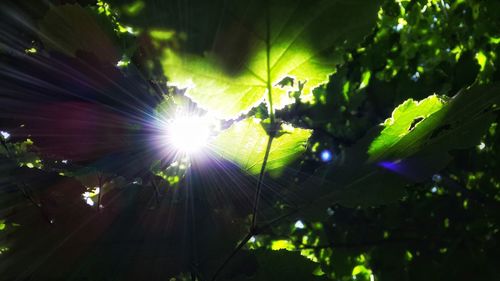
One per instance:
(188,134)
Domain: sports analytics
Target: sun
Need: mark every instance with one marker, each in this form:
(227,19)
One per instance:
(187,134)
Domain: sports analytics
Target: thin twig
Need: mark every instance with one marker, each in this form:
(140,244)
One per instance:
(274,221)
(272,133)
(259,183)
(25,190)
(5,146)
(268,65)
(27,194)
(272,124)
(157,192)
(254,231)
(233,253)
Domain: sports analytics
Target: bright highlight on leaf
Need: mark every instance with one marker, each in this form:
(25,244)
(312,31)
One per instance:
(5,135)
(244,143)
(258,44)
(282,245)
(299,224)
(404,119)
(89,196)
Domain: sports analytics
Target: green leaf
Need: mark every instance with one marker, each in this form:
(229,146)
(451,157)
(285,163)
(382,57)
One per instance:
(71,28)
(404,119)
(245,142)
(283,265)
(458,124)
(425,150)
(260,43)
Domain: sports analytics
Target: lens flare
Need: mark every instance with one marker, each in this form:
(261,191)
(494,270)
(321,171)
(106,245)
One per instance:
(326,155)
(188,134)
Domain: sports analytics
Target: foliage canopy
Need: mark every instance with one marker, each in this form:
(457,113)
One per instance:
(87,88)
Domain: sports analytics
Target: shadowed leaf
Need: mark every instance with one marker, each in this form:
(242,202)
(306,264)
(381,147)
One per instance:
(283,265)
(72,28)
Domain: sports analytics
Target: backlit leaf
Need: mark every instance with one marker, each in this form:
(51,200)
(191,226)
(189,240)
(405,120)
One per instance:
(245,142)
(259,43)
(412,158)
(404,119)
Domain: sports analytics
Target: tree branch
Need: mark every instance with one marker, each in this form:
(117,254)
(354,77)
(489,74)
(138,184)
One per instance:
(233,253)
(259,183)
